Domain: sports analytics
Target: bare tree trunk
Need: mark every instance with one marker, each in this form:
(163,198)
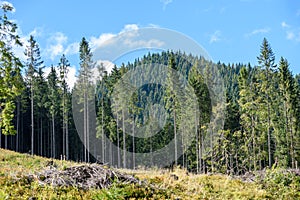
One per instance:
(41,137)
(53,136)
(32,123)
(67,138)
(124,140)
(102,122)
(18,125)
(133,144)
(175,137)
(64,126)
(292,145)
(197,151)
(84,127)
(87,129)
(269,138)
(5,141)
(118,141)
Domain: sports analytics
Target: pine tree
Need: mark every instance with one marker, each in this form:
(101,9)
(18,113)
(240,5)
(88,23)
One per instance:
(41,99)
(248,108)
(63,73)
(53,105)
(84,89)
(171,100)
(286,146)
(266,61)
(34,61)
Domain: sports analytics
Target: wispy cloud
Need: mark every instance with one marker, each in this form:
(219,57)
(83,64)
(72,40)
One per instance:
(102,40)
(215,37)
(166,3)
(258,31)
(72,49)
(55,46)
(284,25)
(298,13)
(292,33)
(129,37)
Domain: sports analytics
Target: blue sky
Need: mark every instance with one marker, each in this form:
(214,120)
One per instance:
(229,30)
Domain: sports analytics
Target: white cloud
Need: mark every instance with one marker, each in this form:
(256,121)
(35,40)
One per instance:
(129,35)
(290,35)
(72,49)
(166,3)
(71,76)
(298,13)
(130,27)
(102,40)
(108,66)
(215,37)
(153,25)
(258,31)
(107,38)
(36,32)
(291,32)
(55,45)
(293,35)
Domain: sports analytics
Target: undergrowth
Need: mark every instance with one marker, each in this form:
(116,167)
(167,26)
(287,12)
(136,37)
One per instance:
(16,182)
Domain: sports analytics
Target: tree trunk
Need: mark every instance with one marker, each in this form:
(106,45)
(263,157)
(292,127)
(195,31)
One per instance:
(84,128)
(102,122)
(118,141)
(32,123)
(41,137)
(53,137)
(67,138)
(175,137)
(124,139)
(64,127)
(133,144)
(87,129)
(18,125)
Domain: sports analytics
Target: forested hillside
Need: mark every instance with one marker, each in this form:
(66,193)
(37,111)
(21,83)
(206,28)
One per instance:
(261,119)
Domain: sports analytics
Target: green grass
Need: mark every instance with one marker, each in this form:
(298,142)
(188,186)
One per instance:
(15,184)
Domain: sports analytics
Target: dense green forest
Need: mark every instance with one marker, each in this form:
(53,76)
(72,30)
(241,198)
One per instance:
(261,120)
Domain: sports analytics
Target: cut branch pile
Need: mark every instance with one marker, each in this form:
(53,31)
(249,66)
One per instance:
(84,177)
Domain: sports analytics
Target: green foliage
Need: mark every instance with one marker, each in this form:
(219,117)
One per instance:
(10,71)
(281,184)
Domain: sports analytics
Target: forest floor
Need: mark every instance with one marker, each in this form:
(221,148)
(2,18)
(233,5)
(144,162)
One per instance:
(23,176)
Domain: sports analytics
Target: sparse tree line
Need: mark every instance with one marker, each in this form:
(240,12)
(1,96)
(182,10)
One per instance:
(262,122)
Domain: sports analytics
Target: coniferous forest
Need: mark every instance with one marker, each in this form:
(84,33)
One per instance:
(261,118)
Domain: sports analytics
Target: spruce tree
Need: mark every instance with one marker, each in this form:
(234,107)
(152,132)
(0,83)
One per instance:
(53,105)
(32,53)
(84,89)
(266,61)
(64,66)
(10,71)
